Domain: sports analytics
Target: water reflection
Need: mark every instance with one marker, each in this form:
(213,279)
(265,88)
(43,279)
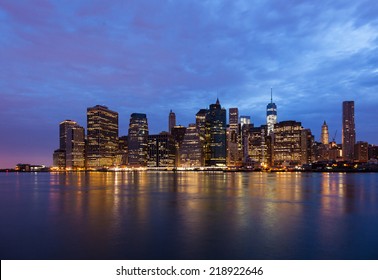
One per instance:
(192,215)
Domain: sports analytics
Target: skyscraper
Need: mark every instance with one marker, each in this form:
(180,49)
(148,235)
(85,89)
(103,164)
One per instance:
(233,139)
(138,140)
(71,146)
(287,147)
(102,138)
(75,147)
(245,123)
(64,126)
(161,150)
(233,114)
(201,128)
(191,152)
(171,121)
(325,134)
(348,131)
(216,135)
(271,114)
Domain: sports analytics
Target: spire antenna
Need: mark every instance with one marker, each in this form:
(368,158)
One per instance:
(271,95)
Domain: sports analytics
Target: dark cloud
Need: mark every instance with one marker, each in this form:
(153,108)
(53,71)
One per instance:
(147,56)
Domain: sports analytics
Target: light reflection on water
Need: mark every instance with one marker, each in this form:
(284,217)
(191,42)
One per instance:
(188,215)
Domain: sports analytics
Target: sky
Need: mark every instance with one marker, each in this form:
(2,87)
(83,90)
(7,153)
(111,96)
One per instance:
(59,57)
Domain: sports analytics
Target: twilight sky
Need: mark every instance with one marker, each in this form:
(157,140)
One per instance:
(59,57)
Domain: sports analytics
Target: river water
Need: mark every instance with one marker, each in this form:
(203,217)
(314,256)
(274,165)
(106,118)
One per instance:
(188,215)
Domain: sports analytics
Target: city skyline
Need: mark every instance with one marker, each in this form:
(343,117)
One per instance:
(59,58)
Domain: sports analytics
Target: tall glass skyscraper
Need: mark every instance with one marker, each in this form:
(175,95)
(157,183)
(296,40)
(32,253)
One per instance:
(102,137)
(216,136)
(271,114)
(348,131)
(138,140)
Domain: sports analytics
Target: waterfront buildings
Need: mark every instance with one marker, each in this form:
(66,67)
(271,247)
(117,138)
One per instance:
(210,142)
(348,131)
(102,137)
(138,140)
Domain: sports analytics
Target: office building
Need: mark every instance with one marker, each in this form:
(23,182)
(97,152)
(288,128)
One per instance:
(348,131)
(102,137)
(138,140)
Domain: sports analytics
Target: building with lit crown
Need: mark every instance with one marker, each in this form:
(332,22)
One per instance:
(271,115)
(325,134)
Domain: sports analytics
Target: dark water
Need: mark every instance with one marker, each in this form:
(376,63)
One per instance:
(151,215)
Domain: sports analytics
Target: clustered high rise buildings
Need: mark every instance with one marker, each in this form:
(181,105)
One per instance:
(209,142)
